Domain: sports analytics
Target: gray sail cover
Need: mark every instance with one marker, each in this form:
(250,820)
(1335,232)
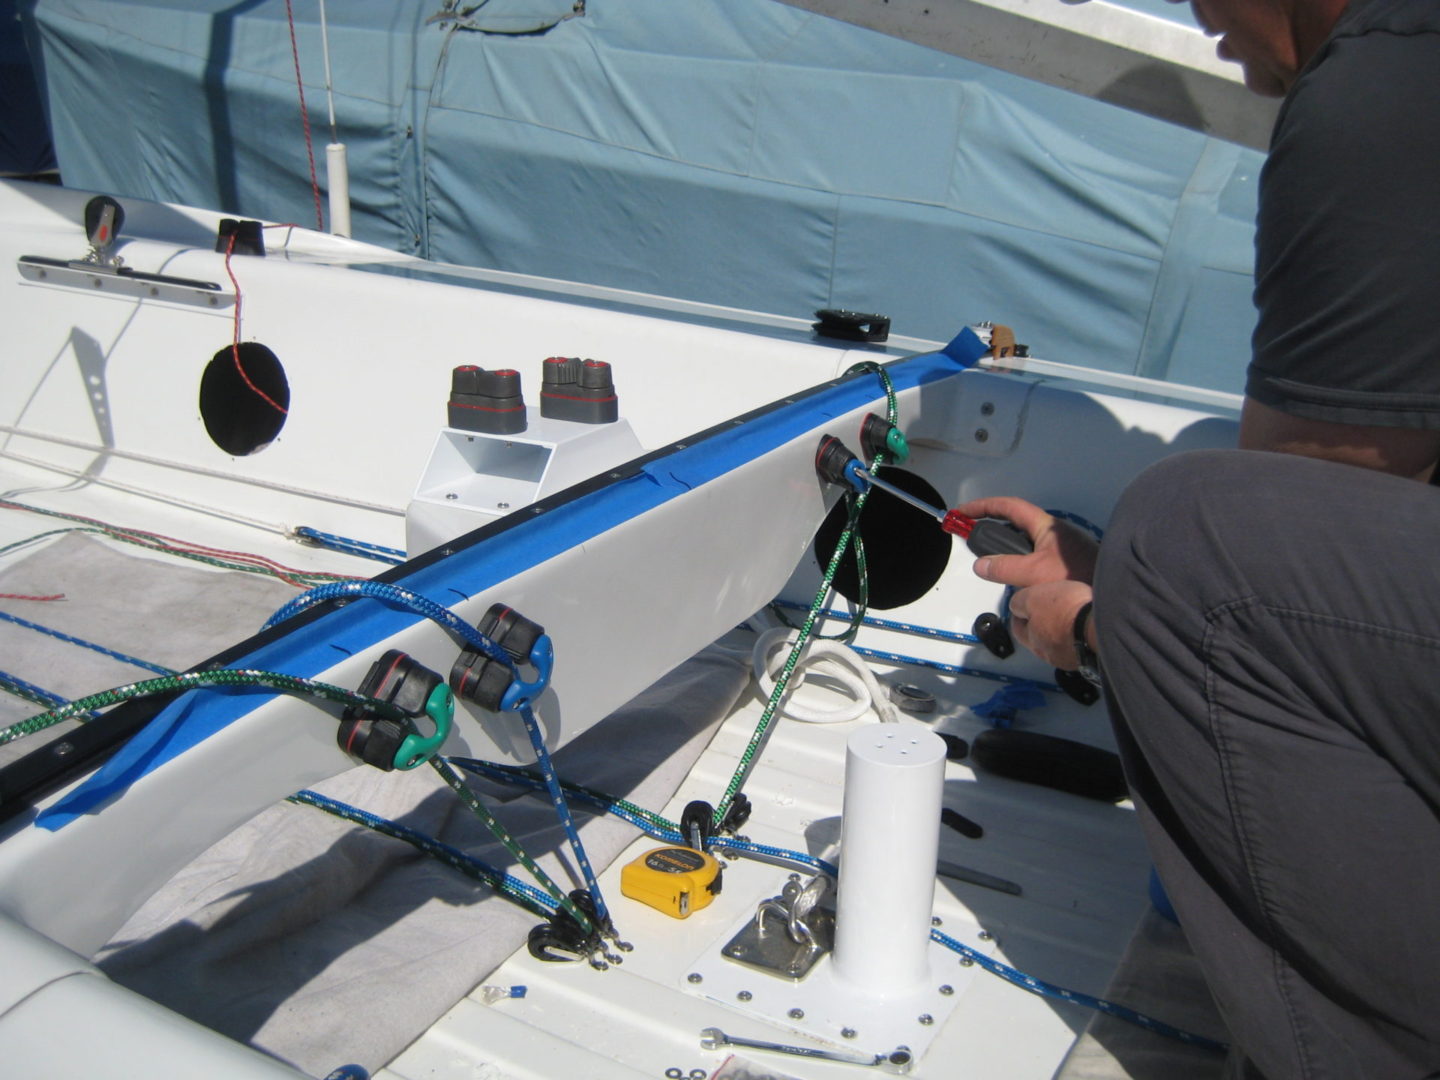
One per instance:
(740,152)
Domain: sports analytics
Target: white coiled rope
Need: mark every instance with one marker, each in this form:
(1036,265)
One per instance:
(840,665)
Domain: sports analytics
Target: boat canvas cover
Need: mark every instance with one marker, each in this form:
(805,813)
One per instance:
(747,153)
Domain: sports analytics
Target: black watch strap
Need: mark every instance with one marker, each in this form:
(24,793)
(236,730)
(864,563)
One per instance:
(1089,662)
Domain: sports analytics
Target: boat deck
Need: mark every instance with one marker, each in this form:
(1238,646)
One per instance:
(1080,864)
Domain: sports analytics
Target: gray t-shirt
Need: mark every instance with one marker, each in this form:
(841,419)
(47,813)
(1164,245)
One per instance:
(1347,265)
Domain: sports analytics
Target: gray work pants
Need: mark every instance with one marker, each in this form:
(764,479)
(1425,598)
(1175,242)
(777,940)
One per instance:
(1270,633)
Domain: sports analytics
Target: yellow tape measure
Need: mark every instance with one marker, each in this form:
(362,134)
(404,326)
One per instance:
(675,880)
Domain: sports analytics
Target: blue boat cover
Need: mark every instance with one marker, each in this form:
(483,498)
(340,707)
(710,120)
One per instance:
(741,152)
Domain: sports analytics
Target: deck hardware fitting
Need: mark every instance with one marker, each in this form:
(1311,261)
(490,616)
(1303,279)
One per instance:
(805,931)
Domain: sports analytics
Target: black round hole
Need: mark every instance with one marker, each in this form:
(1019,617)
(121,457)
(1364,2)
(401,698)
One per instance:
(243,398)
(906,551)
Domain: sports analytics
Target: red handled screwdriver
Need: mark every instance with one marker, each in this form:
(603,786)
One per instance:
(984,536)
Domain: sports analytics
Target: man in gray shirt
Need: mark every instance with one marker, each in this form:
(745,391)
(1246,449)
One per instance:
(1268,619)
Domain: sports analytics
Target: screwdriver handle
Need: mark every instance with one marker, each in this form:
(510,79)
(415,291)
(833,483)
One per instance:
(994,536)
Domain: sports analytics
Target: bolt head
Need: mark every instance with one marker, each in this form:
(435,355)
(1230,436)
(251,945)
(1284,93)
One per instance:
(744,995)
(694,977)
(796,1014)
(926,1019)
(848,1033)
(947,990)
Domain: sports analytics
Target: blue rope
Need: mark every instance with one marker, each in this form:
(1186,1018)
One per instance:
(1050,990)
(394,594)
(445,617)
(347,546)
(122,657)
(562,810)
(741,845)
(885,624)
(528,895)
(955,669)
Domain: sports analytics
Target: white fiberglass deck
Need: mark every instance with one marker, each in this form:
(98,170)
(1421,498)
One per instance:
(104,390)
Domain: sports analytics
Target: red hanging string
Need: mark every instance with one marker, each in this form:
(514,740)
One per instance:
(235,342)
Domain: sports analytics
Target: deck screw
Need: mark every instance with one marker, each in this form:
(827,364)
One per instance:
(985,935)
(935,920)
(848,1033)
(965,961)
(694,977)
(796,1014)
(981,435)
(947,989)
(451,495)
(987,409)
(744,995)
(926,1019)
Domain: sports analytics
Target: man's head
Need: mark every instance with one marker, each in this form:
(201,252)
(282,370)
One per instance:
(1271,39)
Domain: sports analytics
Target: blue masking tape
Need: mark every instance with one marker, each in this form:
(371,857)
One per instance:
(364,624)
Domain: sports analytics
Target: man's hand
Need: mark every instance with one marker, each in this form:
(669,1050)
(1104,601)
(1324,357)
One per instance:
(1053,582)
(1063,552)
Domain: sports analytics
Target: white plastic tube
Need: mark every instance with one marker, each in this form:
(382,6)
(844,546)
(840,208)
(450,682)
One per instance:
(337,179)
(890,837)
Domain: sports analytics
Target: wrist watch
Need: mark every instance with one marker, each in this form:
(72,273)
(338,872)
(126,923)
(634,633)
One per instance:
(1089,662)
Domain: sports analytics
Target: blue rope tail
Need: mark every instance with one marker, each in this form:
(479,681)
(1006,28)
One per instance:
(122,657)
(345,545)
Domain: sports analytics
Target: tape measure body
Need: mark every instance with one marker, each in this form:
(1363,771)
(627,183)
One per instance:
(675,880)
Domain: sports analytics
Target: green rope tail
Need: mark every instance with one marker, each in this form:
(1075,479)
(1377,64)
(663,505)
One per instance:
(225,677)
(782,681)
(470,799)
